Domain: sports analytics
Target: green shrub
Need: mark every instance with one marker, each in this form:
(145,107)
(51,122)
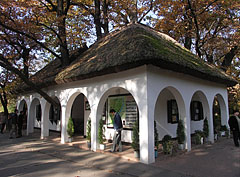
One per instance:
(180,132)
(70,127)
(156,141)
(166,138)
(89,130)
(135,138)
(100,132)
(205,128)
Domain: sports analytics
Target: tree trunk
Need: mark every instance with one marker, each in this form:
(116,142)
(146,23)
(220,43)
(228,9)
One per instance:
(105,18)
(229,57)
(97,17)
(25,57)
(7,65)
(62,33)
(4,101)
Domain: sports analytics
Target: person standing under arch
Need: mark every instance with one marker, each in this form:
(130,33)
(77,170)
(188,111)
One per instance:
(117,124)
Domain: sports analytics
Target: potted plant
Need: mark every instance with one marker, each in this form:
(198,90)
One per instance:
(100,135)
(135,140)
(89,133)
(156,141)
(205,129)
(70,129)
(198,137)
(180,135)
(167,144)
(223,130)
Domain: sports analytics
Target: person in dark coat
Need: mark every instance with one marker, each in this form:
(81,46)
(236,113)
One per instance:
(117,124)
(234,123)
(13,121)
(20,124)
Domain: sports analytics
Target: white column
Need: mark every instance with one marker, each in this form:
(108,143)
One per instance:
(146,125)
(187,125)
(210,124)
(44,119)
(64,137)
(94,127)
(28,121)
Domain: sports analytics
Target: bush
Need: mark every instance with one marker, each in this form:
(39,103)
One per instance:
(156,141)
(100,132)
(89,130)
(70,127)
(205,128)
(167,144)
(166,138)
(135,138)
(180,132)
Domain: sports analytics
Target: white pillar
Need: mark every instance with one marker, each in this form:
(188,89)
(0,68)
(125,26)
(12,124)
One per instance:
(146,129)
(64,137)
(44,118)
(187,125)
(94,127)
(210,124)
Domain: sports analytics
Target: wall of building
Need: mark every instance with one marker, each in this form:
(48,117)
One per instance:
(150,86)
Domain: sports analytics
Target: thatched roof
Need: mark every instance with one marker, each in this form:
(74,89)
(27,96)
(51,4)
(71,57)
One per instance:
(133,46)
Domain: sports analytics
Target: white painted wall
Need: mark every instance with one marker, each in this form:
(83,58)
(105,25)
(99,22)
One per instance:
(145,84)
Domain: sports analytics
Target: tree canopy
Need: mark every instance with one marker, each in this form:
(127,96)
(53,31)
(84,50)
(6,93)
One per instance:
(32,31)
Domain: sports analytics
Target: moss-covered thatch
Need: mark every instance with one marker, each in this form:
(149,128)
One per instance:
(133,46)
(137,45)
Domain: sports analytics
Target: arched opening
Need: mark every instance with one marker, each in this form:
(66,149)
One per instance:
(199,111)
(123,102)
(23,107)
(80,111)
(169,109)
(219,111)
(35,115)
(55,116)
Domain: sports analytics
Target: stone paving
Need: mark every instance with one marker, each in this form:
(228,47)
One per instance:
(31,156)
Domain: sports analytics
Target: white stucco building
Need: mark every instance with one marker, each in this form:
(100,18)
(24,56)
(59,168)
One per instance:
(151,74)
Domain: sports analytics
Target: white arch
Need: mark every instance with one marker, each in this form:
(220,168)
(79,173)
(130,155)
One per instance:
(72,96)
(200,96)
(198,125)
(160,108)
(21,104)
(223,108)
(32,115)
(103,99)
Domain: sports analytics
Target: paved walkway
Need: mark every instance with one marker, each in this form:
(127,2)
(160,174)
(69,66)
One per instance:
(30,156)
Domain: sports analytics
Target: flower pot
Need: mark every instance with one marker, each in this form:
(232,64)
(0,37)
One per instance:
(137,154)
(181,146)
(222,133)
(102,147)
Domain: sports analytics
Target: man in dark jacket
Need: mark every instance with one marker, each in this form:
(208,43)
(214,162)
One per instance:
(13,121)
(20,124)
(234,123)
(117,124)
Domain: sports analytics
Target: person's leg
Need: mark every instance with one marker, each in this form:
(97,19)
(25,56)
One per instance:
(2,128)
(235,138)
(114,141)
(19,131)
(120,141)
(11,131)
